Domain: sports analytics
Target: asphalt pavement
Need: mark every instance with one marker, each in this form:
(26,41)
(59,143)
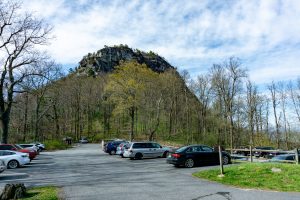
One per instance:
(87,173)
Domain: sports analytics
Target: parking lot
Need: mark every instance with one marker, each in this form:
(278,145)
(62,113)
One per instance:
(86,172)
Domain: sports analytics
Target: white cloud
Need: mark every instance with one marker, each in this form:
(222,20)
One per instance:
(196,31)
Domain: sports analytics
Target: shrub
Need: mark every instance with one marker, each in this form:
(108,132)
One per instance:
(55,145)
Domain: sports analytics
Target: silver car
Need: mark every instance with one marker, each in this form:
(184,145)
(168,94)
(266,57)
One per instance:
(121,148)
(14,159)
(139,150)
(2,166)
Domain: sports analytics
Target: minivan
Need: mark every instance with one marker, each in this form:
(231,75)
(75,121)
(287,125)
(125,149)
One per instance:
(139,150)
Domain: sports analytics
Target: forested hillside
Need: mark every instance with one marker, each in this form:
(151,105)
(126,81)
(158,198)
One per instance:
(118,92)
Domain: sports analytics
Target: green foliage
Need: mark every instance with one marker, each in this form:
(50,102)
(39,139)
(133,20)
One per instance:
(152,54)
(90,72)
(55,145)
(42,193)
(258,176)
(126,86)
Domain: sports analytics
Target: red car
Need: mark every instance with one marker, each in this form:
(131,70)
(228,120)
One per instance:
(12,147)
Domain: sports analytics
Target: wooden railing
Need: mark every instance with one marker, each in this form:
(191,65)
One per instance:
(251,152)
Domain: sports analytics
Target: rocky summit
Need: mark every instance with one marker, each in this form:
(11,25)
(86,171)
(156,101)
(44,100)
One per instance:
(106,59)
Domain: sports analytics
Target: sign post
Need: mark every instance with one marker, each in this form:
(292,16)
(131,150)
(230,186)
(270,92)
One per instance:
(221,161)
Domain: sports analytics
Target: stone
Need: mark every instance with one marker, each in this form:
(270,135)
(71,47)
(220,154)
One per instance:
(276,170)
(13,191)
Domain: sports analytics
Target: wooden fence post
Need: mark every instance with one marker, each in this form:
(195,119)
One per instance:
(221,161)
(297,156)
(251,158)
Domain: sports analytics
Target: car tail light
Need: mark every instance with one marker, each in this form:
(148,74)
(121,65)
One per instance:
(175,155)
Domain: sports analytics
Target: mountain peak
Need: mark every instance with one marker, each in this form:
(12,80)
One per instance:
(106,59)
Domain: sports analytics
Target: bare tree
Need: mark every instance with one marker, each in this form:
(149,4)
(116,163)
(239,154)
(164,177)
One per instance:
(227,82)
(274,98)
(251,108)
(202,89)
(295,97)
(283,100)
(38,86)
(19,35)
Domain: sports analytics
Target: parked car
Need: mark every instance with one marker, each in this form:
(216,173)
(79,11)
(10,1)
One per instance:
(105,145)
(193,155)
(2,166)
(258,153)
(32,152)
(40,146)
(111,147)
(139,150)
(30,147)
(11,147)
(121,148)
(285,158)
(83,140)
(242,150)
(14,159)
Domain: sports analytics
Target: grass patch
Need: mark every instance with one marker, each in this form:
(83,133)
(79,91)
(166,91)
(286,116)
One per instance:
(42,193)
(258,176)
(55,145)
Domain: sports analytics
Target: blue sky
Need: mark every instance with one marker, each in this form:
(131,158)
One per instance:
(190,34)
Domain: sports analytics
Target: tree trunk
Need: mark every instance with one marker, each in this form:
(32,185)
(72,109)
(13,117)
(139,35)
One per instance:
(132,115)
(5,125)
(36,126)
(157,119)
(25,118)
(56,121)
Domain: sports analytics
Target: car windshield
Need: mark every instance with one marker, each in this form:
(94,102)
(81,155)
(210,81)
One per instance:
(181,149)
(127,146)
(18,147)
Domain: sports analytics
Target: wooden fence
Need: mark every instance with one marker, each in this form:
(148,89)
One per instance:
(250,153)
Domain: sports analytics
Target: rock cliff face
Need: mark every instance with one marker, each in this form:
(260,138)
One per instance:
(106,59)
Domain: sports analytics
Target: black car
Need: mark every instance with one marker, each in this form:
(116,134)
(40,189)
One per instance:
(258,153)
(193,155)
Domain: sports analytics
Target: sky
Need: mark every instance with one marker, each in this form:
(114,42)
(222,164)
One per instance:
(191,35)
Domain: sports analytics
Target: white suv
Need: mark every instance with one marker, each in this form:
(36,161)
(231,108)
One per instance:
(139,150)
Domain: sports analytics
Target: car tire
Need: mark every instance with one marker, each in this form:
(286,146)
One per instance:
(112,152)
(225,160)
(138,156)
(122,156)
(176,165)
(166,153)
(189,163)
(12,164)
